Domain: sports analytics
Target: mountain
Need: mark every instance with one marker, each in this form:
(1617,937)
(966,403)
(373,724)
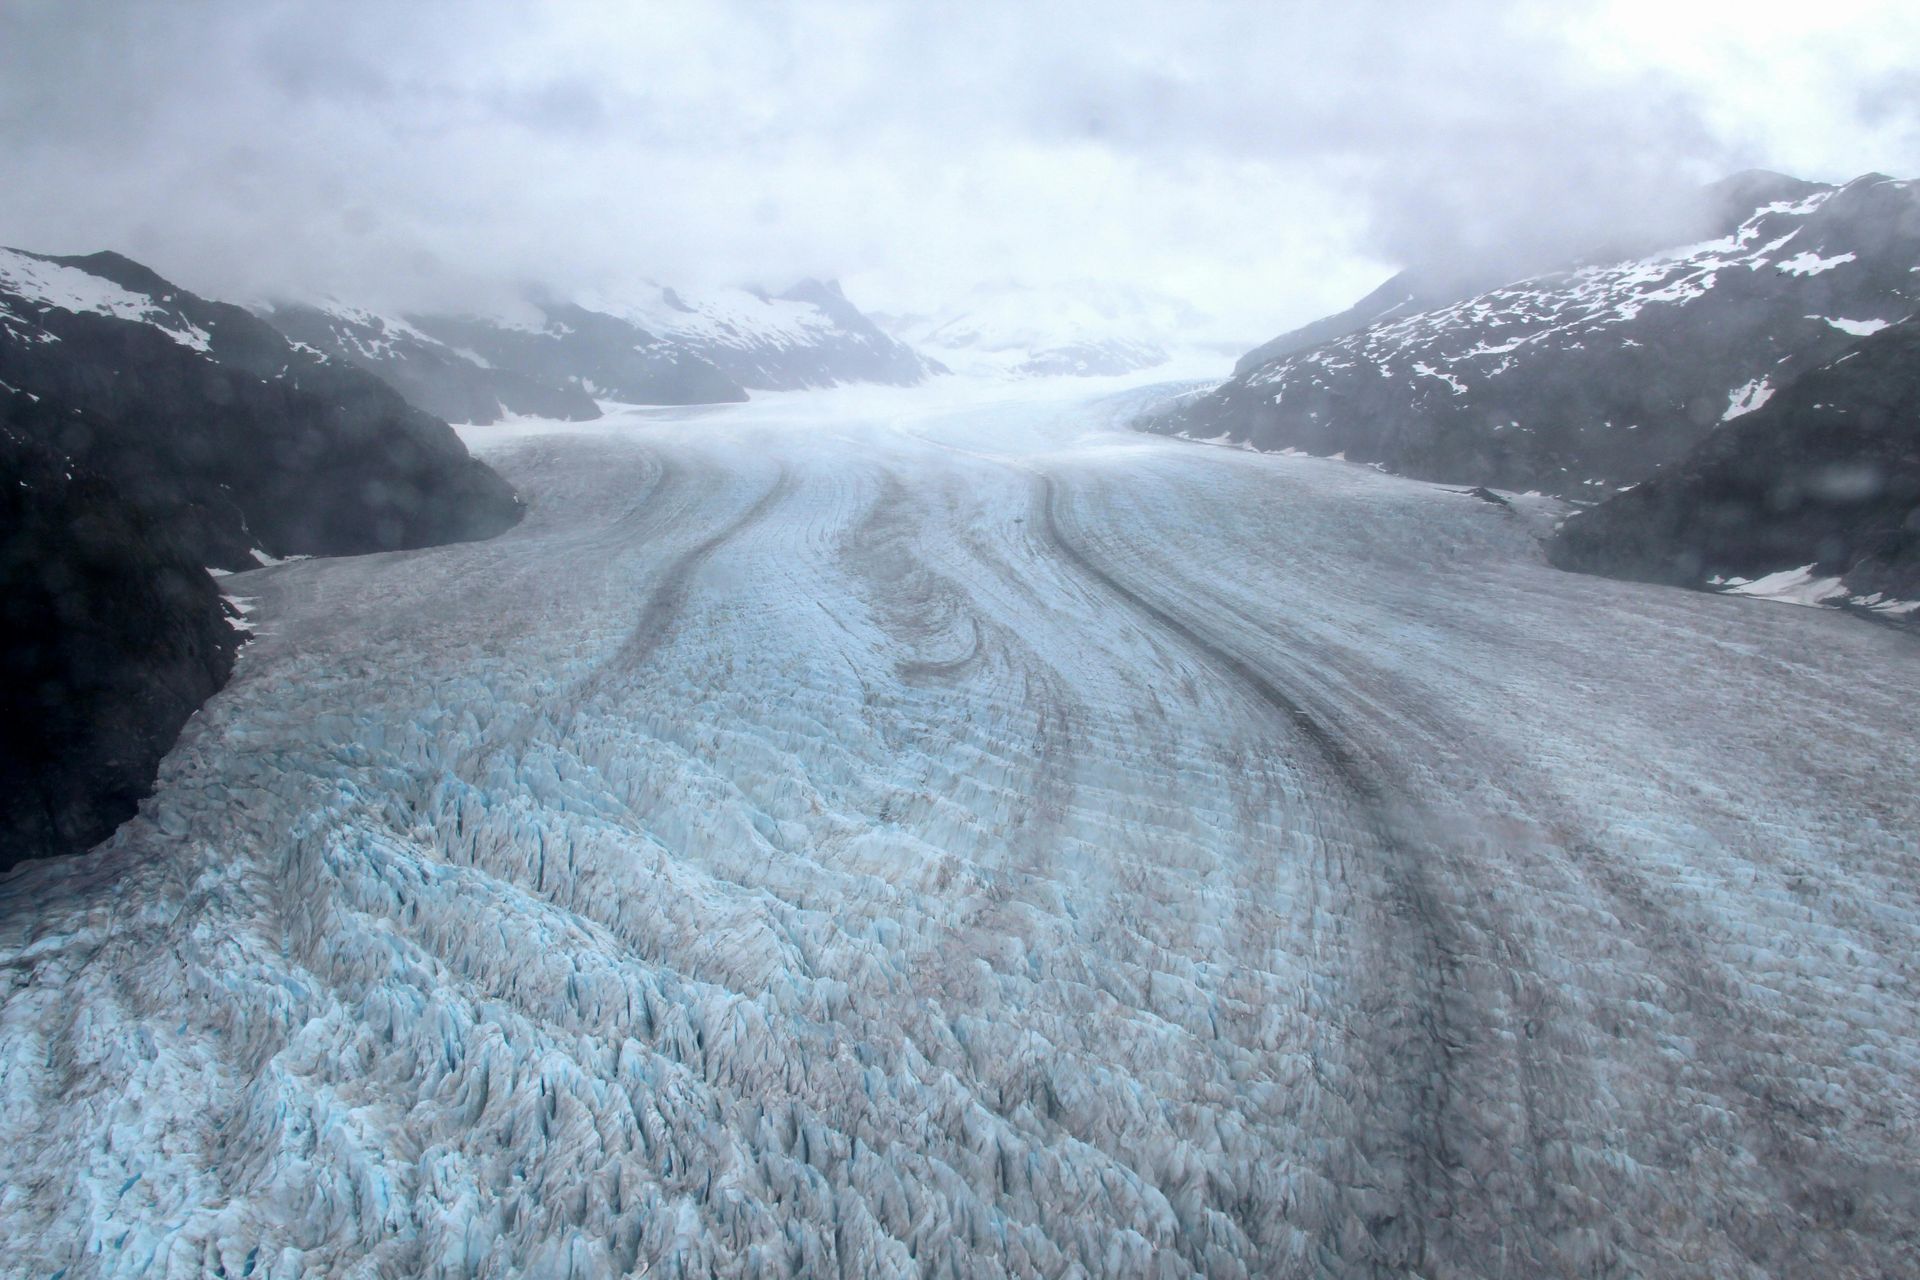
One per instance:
(1083,329)
(1582,380)
(1813,497)
(111,635)
(213,423)
(145,434)
(657,346)
(808,336)
(604,356)
(1404,294)
(447,381)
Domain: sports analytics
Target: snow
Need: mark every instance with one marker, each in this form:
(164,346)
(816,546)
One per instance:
(1879,603)
(1858,328)
(1789,586)
(1428,371)
(1564,311)
(1812,264)
(71,289)
(1747,397)
(942,832)
(720,317)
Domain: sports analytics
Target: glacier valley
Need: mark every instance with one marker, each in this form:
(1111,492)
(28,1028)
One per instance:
(882,832)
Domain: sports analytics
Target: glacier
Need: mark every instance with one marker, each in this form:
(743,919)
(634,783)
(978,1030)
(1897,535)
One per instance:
(885,832)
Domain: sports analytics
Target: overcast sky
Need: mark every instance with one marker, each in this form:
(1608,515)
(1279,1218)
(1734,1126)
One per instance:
(1267,161)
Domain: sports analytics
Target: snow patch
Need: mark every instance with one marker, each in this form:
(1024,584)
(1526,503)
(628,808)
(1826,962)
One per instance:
(1746,398)
(1812,264)
(1789,586)
(1858,328)
(68,288)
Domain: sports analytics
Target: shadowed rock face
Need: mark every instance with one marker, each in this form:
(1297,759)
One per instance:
(1583,380)
(1825,475)
(111,634)
(149,434)
(206,418)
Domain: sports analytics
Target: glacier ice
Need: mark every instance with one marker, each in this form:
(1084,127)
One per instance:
(878,834)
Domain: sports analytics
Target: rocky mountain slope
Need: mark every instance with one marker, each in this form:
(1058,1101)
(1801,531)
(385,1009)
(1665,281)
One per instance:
(212,422)
(146,434)
(1814,496)
(447,381)
(111,634)
(1583,380)
(659,347)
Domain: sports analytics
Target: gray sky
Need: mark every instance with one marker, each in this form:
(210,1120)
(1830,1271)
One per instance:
(1268,161)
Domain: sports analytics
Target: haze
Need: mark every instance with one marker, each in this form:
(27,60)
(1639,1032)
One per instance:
(1267,165)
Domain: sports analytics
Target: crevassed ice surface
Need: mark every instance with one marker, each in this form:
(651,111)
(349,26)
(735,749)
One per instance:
(854,835)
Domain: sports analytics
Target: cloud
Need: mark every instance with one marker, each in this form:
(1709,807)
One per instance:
(1268,161)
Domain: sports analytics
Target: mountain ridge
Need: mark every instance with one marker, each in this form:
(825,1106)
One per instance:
(1582,380)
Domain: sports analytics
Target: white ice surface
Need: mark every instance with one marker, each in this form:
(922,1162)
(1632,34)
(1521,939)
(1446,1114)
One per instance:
(887,834)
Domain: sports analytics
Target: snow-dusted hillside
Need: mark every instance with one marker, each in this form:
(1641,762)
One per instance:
(1088,329)
(31,283)
(808,336)
(864,836)
(1811,497)
(654,345)
(448,381)
(1581,381)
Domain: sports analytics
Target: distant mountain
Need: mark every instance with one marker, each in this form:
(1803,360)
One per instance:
(146,433)
(604,356)
(656,346)
(808,336)
(1813,497)
(448,381)
(1085,329)
(1403,295)
(1582,380)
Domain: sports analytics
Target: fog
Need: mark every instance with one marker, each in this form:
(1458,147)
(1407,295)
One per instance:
(1266,164)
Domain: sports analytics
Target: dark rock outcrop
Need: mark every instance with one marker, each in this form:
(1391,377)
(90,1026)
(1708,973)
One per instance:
(1824,477)
(111,635)
(146,434)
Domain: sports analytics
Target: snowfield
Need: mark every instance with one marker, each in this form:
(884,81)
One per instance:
(871,833)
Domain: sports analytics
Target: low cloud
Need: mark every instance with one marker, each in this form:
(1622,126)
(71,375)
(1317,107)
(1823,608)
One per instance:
(1268,165)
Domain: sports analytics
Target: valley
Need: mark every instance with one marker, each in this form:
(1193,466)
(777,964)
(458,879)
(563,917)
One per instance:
(880,831)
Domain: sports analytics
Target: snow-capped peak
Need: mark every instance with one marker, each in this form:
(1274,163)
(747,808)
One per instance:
(49,282)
